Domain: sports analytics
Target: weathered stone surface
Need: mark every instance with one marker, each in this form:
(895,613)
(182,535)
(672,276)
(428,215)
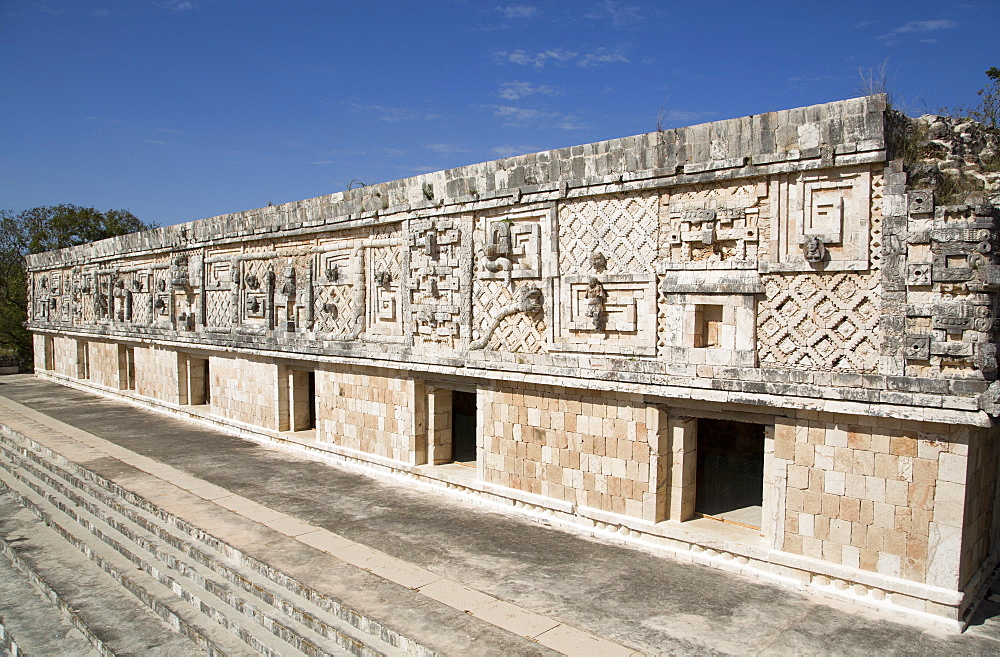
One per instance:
(585,310)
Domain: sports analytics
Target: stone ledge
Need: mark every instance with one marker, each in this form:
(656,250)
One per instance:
(729,548)
(790,389)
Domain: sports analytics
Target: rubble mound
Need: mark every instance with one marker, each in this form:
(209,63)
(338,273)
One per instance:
(957,157)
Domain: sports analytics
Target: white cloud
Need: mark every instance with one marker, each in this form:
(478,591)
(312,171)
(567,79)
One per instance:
(177,5)
(538,60)
(918,27)
(571,122)
(620,14)
(561,55)
(516,90)
(518,11)
(391,114)
(519,116)
(509,150)
(101,12)
(445,149)
(101,119)
(158,142)
(602,56)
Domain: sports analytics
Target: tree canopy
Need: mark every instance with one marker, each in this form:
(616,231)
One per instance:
(43,229)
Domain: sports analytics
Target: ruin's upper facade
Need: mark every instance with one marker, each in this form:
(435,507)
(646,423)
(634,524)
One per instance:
(773,259)
(756,320)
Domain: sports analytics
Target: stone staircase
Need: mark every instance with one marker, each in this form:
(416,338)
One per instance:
(223,600)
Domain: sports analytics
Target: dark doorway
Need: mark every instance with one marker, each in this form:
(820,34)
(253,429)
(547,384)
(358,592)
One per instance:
(206,390)
(463,427)
(311,400)
(730,483)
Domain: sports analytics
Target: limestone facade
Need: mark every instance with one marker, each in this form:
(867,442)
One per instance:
(747,343)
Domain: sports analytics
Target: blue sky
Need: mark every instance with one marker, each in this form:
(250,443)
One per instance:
(183,109)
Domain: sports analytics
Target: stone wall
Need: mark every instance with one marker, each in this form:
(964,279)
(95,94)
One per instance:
(366,412)
(245,390)
(157,373)
(879,497)
(585,448)
(599,304)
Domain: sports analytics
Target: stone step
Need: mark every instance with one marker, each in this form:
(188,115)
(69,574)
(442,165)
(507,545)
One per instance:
(215,626)
(39,621)
(300,617)
(149,547)
(59,602)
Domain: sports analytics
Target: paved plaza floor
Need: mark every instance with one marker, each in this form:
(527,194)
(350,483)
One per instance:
(633,600)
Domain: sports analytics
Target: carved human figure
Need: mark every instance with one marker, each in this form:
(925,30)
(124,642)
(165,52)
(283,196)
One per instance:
(596,296)
(179,273)
(288,286)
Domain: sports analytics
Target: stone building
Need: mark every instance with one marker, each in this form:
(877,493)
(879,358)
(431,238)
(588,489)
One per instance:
(746,343)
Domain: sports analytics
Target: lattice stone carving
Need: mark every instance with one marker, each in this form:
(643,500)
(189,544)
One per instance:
(622,227)
(878,201)
(334,308)
(256,291)
(820,321)
(85,298)
(219,307)
(516,333)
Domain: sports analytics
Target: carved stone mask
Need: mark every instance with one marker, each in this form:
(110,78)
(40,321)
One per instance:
(598,261)
(531,300)
(815,250)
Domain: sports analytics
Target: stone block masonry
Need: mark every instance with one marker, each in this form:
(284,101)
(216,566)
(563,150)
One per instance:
(748,343)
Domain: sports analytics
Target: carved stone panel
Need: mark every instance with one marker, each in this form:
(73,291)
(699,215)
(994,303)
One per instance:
(820,321)
(333,301)
(384,281)
(712,223)
(609,314)
(440,280)
(257,294)
(622,227)
(831,208)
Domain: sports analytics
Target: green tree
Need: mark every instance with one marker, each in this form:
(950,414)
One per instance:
(43,229)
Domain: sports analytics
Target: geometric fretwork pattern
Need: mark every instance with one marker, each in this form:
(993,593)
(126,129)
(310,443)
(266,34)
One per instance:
(623,227)
(819,321)
(384,314)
